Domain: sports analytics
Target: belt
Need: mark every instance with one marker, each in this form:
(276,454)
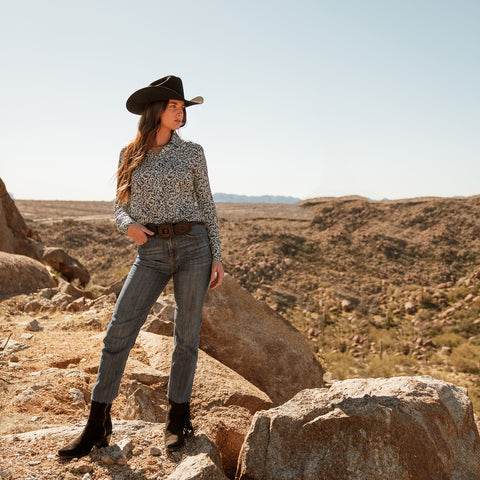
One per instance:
(169,230)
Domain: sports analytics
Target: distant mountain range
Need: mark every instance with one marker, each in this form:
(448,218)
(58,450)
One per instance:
(231,198)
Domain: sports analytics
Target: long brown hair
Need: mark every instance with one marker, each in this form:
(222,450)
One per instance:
(137,149)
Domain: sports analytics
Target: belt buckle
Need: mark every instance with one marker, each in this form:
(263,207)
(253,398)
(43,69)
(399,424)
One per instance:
(165,230)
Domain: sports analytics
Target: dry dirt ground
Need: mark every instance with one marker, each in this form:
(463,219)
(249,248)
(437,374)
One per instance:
(340,270)
(43,384)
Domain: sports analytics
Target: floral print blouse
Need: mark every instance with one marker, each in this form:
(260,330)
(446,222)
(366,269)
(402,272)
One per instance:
(171,187)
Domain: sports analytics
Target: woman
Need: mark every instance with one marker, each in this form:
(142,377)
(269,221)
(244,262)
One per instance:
(164,204)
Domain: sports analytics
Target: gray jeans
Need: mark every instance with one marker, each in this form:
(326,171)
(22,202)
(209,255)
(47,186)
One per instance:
(186,258)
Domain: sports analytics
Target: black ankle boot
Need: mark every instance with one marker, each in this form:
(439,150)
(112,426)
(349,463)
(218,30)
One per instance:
(108,422)
(96,433)
(177,425)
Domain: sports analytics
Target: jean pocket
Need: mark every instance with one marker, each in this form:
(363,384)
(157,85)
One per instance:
(148,241)
(197,231)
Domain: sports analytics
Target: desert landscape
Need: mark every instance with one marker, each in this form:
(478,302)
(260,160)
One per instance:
(375,290)
(378,288)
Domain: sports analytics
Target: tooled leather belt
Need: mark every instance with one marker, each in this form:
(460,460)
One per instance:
(169,230)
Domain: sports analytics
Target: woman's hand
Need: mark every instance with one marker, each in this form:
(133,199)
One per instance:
(139,233)
(217,274)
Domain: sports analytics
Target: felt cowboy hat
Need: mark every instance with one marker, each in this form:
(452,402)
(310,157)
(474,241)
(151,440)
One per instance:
(166,88)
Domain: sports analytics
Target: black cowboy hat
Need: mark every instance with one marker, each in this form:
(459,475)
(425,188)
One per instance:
(166,88)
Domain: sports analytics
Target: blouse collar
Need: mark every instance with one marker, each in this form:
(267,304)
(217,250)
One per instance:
(175,141)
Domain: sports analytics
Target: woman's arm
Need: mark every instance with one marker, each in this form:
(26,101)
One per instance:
(123,219)
(206,204)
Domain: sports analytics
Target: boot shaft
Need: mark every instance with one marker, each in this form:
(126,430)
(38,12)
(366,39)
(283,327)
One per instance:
(99,411)
(178,418)
(177,424)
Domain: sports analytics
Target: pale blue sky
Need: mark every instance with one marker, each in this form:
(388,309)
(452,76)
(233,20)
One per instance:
(379,98)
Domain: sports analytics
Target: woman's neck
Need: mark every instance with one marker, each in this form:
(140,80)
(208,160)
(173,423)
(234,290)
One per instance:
(162,137)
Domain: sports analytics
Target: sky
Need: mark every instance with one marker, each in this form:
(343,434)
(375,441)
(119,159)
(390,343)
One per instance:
(304,98)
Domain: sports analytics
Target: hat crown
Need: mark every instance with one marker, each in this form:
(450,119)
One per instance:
(172,82)
(163,89)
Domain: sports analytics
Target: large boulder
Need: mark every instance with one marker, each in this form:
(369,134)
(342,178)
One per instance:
(215,384)
(201,462)
(400,428)
(223,403)
(15,235)
(259,344)
(198,467)
(21,274)
(68,266)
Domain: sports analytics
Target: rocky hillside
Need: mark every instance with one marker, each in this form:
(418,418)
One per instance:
(377,288)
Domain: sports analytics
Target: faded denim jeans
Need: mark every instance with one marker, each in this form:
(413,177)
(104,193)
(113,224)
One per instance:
(186,258)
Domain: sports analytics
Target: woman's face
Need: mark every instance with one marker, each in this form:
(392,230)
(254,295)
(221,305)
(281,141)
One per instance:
(172,117)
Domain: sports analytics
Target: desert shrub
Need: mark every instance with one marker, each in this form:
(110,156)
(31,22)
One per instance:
(412,287)
(426,300)
(393,290)
(339,364)
(96,290)
(384,339)
(474,394)
(448,339)
(464,323)
(424,315)
(326,318)
(389,319)
(466,358)
(433,330)
(476,303)
(389,365)
(458,293)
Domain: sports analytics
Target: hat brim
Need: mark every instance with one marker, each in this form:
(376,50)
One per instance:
(138,100)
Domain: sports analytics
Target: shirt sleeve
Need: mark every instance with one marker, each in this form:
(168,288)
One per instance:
(123,219)
(207,205)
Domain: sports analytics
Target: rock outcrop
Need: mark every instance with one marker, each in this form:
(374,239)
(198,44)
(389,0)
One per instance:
(259,344)
(68,266)
(21,274)
(17,238)
(199,467)
(15,235)
(401,428)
